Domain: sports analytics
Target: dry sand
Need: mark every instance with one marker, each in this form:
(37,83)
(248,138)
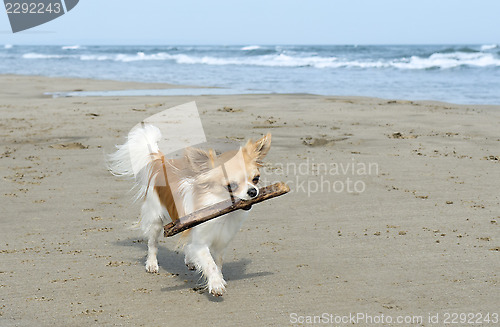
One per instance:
(422,237)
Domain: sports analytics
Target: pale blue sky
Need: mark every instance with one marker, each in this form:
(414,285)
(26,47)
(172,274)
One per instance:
(268,22)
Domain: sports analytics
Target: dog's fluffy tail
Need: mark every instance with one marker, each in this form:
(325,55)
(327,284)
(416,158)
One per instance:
(135,158)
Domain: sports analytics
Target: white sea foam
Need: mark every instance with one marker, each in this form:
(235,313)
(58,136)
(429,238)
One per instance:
(448,60)
(8,46)
(280,60)
(70,47)
(95,57)
(32,55)
(436,60)
(250,47)
(487,47)
(141,56)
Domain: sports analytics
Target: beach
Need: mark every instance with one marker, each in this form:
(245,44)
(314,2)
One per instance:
(394,211)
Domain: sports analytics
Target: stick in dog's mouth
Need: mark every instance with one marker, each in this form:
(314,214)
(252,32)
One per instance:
(223,208)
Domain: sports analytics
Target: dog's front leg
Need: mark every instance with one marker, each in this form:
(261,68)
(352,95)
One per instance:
(205,264)
(218,256)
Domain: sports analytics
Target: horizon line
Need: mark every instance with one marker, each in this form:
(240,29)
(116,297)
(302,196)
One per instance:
(241,44)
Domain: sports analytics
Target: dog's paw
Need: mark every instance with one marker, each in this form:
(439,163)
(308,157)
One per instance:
(217,288)
(218,291)
(152,267)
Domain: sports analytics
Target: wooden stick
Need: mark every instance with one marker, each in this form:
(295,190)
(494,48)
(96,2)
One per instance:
(222,208)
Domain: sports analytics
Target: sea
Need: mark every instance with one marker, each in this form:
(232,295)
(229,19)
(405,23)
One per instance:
(464,74)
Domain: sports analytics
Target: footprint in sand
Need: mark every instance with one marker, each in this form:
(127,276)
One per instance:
(315,142)
(69,146)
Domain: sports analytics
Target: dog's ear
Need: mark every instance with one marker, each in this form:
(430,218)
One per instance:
(263,145)
(200,160)
(258,150)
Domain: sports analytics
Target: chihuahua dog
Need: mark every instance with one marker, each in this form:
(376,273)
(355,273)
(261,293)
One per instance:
(172,188)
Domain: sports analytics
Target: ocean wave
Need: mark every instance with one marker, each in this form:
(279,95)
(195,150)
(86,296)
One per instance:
(95,57)
(448,60)
(139,56)
(278,60)
(250,47)
(70,47)
(32,55)
(461,49)
(487,47)
(8,46)
(437,60)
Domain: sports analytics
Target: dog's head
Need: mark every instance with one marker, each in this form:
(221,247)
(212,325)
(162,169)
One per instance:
(232,172)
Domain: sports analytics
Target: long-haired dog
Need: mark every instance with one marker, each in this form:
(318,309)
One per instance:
(172,188)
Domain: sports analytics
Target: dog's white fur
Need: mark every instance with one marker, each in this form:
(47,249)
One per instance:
(196,182)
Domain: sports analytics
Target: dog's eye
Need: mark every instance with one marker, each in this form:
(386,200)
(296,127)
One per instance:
(231,187)
(255,180)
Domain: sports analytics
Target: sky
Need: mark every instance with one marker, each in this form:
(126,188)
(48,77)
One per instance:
(226,22)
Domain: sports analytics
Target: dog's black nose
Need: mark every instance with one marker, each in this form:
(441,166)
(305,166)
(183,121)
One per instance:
(252,192)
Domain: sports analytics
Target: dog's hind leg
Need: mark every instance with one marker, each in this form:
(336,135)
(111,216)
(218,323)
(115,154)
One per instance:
(153,235)
(152,226)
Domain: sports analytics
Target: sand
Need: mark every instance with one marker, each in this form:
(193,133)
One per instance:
(415,232)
